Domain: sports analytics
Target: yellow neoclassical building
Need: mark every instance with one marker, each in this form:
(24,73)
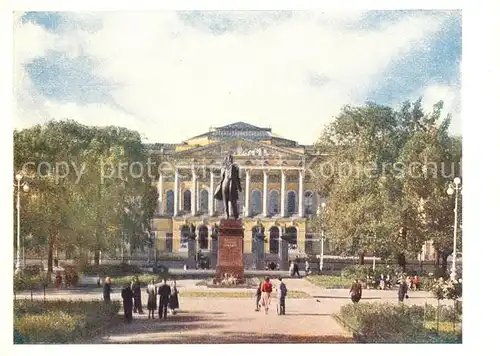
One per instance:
(277,193)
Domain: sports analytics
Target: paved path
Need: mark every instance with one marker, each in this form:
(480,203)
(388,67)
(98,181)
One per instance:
(233,320)
(217,320)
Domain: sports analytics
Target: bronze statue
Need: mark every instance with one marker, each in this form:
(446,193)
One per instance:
(229,186)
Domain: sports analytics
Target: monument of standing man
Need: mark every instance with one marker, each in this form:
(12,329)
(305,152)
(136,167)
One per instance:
(229,186)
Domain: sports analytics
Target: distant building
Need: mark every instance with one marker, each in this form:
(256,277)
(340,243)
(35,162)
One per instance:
(277,191)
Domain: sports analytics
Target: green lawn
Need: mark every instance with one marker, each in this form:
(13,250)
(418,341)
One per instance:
(330,281)
(237,294)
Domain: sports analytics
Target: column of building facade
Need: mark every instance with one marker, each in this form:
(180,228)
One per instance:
(283,193)
(176,192)
(193,192)
(301,193)
(247,193)
(264,194)
(211,194)
(160,194)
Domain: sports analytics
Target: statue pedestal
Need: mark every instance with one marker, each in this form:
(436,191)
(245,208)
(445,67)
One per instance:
(230,250)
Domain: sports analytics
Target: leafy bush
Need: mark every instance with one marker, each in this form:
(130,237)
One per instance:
(60,321)
(361,271)
(450,289)
(26,280)
(390,323)
(122,269)
(144,278)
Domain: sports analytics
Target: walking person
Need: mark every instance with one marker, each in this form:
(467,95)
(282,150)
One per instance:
(258,295)
(136,289)
(106,290)
(128,297)
(296,267)
(152,292)
(173,302)
(164,292)
(281,291)
(266,290)
(403,289)
(356,291)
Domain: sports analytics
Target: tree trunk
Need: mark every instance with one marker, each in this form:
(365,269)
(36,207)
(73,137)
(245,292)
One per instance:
(402,261)
(50,260)
(444,263)
(437,254)
(96,257)
(362,258)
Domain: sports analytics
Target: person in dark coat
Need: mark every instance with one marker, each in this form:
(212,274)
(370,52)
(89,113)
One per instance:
(164,292)
(106,289)
(136,289)
(173,302)
(128,302)
(403,289)
(152,291)
(356,291)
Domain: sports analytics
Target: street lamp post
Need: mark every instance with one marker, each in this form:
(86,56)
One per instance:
(454,189)
(319,212)
(25,188)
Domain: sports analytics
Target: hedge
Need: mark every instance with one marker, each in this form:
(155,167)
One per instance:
(390,323)
(122,269)
(60,321)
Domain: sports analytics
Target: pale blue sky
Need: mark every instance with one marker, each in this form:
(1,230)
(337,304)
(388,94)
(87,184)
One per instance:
(171,75)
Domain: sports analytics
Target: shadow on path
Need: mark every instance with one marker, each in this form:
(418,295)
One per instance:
(249,338)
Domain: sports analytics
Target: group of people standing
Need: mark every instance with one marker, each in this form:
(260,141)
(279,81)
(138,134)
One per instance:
(404,284)
(132,301)
(263,295)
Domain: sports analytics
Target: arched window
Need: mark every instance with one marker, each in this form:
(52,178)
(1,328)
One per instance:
(204,201)
(274,203)
(309,203)
(256,202)
(185,231)
(292,234)
(274,239)
(187,201)
(170,202)
(168,242)
(291,197)
(203,237)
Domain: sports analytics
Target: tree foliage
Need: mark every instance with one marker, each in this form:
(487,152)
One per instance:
(384,175)
(88,186)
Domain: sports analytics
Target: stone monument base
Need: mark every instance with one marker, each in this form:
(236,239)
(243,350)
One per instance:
(230,260)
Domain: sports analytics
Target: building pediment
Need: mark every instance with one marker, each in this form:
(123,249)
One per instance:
(240,149)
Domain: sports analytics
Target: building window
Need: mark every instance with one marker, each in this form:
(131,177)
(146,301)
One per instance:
(203,237)
(309,203)
(187,200)
(274,202)
(291,202)
(204,201)
(256,202)
(168,242)
(292,241)
(170,202)
(185,232)
(274,240)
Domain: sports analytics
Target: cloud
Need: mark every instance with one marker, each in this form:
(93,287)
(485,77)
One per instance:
(451,97)
(174,76)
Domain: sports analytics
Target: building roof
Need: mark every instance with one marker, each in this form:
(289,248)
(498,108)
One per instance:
(234,131)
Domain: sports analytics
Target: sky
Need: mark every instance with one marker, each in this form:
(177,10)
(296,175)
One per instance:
(172,75)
